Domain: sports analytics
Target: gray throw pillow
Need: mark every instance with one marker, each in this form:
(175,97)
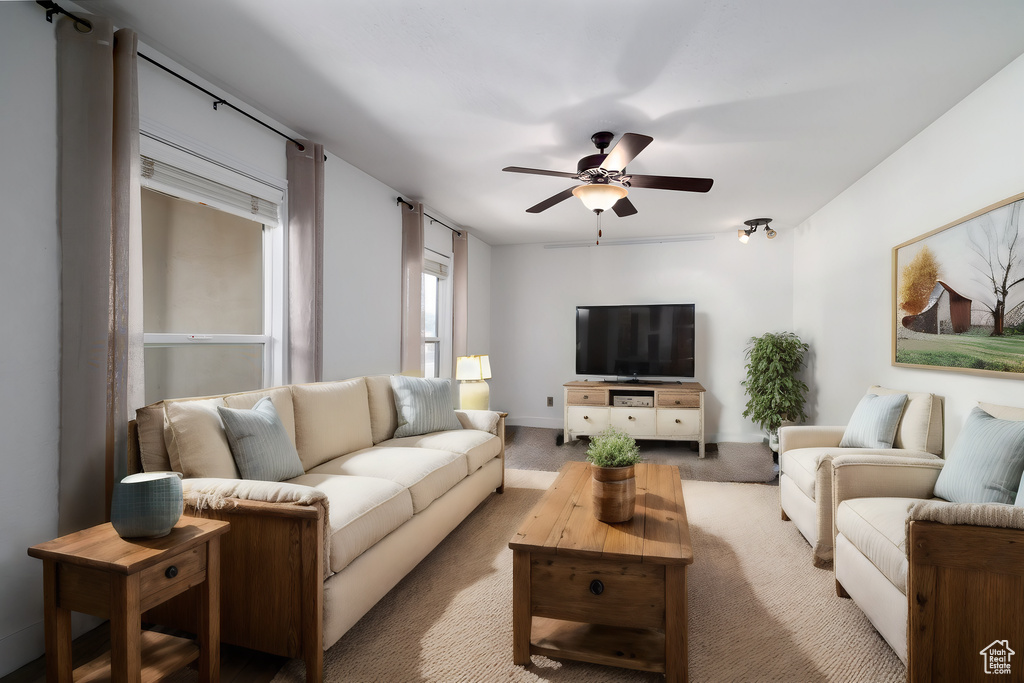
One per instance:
(874,421)
(987,462)
(424,405)
(259,442)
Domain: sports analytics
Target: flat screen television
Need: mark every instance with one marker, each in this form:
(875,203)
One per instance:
(629,342)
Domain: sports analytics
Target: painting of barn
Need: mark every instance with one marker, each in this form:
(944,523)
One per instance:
(947,313)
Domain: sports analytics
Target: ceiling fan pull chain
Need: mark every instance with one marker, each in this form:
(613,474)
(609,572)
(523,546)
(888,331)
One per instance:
(598,240)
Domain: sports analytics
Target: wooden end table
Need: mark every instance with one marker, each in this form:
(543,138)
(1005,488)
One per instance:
(610,594)
(97,572)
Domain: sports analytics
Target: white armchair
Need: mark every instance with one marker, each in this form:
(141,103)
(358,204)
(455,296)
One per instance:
(805,464)
(937,578)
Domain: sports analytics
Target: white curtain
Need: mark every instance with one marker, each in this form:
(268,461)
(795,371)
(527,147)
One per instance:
(412,290)
(305,262)
(101,373)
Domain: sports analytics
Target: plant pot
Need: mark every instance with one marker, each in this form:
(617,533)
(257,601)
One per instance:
(146,505)
(614,490)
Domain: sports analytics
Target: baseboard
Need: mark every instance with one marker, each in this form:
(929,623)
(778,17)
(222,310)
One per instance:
(546,422)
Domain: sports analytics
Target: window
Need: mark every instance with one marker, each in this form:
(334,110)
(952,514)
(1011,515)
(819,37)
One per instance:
(437,315)
(205,299)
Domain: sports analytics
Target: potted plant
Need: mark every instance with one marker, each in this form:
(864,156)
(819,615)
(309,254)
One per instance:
(612,455)
(776,395)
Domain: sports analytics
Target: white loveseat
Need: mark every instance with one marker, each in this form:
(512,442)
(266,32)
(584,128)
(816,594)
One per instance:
(805,469)
(935,578)
(306,558)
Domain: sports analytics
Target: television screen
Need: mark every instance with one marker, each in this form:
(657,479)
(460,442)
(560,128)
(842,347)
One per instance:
(654,340)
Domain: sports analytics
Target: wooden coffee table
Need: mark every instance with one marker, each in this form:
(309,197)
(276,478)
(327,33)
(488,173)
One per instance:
(610,594)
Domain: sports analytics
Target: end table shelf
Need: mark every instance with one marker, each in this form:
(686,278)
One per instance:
(95,571)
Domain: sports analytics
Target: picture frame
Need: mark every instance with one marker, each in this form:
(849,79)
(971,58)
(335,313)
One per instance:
(958,295)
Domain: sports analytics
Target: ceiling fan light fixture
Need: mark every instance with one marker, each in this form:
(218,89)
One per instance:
(599,197)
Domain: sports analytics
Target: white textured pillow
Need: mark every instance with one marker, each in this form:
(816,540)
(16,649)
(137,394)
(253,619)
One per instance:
(920,427)
(197,445)
(331,419)
(424,405)
(874,421)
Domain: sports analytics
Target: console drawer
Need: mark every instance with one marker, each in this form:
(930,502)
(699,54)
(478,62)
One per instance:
(586,419)
(635,421)
(587,397)
(678,399)
(672,422)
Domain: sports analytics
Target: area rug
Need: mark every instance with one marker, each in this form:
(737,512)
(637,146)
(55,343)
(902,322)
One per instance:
(538,448)
(759,609)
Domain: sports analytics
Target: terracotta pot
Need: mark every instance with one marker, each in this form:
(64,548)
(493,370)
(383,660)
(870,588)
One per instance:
(614,490)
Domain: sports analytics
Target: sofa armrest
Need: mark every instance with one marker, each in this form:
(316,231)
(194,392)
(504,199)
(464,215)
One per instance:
(973,514)
(809,436)
(876,475)
(484,420)
(216,494)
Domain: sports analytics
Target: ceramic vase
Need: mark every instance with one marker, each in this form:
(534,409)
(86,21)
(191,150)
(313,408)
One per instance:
(146,505)
(614,490)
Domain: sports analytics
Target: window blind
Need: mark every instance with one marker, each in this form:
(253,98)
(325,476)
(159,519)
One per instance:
(435,268)
(172,180)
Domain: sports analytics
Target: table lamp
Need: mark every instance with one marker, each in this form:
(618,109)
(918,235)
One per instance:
(471,371)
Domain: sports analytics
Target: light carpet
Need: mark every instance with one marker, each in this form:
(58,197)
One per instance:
(538,448)
(759,609)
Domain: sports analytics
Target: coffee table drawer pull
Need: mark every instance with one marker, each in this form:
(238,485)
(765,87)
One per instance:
(171,572)
(596,587)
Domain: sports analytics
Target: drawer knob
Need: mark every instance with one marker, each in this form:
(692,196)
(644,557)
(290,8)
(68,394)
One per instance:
(596,587)
(585,396)
(586,417)
(171,572)
(678,420)
(677,402)
(631,417)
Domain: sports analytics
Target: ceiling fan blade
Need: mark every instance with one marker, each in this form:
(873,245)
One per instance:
(625,150)
(667,182)
(551,201)
(623,208)
(537,171)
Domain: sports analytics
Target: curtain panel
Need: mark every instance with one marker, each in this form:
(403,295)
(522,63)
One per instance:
(305,262)
(460,295)
(412,290)
(99,216)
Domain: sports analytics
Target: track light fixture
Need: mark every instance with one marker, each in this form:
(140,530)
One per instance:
(752,225)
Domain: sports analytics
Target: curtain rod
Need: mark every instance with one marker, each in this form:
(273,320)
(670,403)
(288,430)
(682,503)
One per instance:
(53,8)
(458,232)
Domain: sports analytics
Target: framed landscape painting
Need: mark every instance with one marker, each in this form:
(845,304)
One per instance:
(958,295)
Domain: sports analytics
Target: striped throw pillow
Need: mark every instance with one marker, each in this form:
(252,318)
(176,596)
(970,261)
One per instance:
(874,421)
(987,462)
(424,405)
(259,442)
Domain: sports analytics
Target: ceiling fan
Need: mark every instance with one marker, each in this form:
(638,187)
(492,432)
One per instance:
(605,178)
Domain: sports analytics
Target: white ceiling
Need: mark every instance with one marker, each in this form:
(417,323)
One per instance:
(784,103)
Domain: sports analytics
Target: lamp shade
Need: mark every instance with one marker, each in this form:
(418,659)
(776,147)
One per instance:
(599,196)
(472,368)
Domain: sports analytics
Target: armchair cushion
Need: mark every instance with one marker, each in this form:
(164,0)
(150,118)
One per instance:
(920,427)
(874,421)
(877,527)
(987,461)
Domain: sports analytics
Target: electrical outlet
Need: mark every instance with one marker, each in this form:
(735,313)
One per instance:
(551,401)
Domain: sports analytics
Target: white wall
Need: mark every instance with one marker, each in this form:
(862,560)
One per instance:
(29,308)
(739,291)
(968,159)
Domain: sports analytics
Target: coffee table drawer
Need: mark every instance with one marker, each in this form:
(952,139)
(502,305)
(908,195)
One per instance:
(598,591)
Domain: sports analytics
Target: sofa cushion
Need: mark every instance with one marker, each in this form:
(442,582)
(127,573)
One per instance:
(261,446)
(331,419)
(986,463)
(801,466)
(877,527)
(427,473)
(282,398)
(477,446)
(196,442)
(362,511)
(149,423)
(383,415)
(874,421)
(920,427)
(424,405)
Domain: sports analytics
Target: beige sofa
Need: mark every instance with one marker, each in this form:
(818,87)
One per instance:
(306,558)
(935,578)
(805,470)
